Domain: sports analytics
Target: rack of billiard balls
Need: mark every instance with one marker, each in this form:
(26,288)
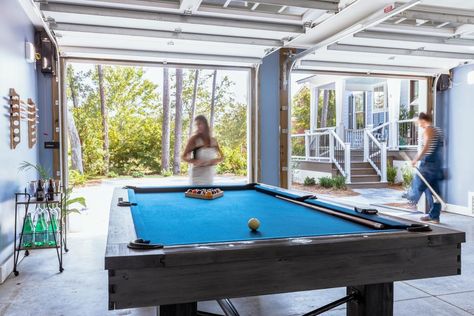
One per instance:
(206,194)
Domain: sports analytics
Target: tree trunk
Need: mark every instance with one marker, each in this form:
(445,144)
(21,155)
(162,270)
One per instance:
(193,102)
(324,112)
(178,126)
(165,135)
(105,125)
(213,99)
(74,140)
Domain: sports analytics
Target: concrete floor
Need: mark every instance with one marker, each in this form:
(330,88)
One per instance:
(82,288)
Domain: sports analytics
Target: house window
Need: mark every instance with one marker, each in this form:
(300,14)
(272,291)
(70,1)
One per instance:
(379,99)
(359,109)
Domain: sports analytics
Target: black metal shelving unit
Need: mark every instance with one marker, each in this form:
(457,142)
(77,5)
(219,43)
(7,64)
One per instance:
(27,201)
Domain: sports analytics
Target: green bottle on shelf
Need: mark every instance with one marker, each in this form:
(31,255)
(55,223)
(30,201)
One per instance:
(40,231)
(53,230)
(27,239)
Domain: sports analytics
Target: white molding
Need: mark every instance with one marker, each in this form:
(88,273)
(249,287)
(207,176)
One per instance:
(6,268)
(457,209)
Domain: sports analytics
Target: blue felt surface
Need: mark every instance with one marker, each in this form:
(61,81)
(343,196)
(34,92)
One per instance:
(173,219)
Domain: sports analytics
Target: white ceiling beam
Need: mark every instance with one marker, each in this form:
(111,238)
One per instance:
(400,20)
(130,4)
(256,15)
(328,5)
(51,8)
(226,4)
(400,51)
(411,29)
(75,51)
(189,6)
(466,17)
(283,8)
(357,17)
(110,30)
(316,64)
(415,38)
(255,6)
(442,25)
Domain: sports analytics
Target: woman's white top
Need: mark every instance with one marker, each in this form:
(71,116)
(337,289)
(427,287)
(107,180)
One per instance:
(204,175)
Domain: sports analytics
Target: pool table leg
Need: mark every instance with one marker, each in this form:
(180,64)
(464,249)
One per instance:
(187,309)
(375,299)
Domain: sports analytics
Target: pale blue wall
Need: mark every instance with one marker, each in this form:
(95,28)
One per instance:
(15,30)
(269,109)
(455,113)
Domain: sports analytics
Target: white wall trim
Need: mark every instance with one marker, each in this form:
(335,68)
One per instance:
(457,209)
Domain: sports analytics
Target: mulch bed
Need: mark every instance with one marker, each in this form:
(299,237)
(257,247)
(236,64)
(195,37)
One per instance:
(326,191)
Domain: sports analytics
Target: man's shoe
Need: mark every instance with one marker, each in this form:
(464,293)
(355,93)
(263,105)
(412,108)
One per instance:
(427,218)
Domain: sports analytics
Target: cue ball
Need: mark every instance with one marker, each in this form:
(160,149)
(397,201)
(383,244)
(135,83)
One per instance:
(253,224)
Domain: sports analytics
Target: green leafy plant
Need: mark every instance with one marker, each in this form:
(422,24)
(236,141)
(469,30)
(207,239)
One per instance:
(407,175)
(70,205)
(42,171)
(77,178)
(138,174)
(339,182)
(166,173)
(391,174)
(309,181)
(326,182)
(112,174)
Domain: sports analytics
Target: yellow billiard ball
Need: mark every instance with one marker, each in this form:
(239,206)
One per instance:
(253,224)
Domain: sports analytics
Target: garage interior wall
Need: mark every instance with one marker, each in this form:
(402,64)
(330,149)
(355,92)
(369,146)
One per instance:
(454,114)
(16,73)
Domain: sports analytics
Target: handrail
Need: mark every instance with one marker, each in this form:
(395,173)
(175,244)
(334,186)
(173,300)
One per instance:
(380,126)
(407,121)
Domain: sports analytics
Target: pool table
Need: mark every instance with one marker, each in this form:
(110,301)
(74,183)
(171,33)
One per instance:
(207,251)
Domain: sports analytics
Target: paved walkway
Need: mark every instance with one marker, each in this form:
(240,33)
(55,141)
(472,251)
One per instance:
(82,288)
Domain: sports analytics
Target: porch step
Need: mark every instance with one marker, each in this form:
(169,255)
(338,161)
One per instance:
(367,185)
(365,178)
(363,171)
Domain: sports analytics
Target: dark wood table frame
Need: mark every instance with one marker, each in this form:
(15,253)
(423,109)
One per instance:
(176,277)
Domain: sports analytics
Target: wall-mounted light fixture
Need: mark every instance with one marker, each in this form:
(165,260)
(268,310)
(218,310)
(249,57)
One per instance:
(30,53)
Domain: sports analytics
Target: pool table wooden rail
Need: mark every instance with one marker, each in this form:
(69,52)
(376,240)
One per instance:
(182,274)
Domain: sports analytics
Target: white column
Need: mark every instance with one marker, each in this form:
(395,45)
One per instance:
(340,91)
(423,96)
(393,91)
(313,111)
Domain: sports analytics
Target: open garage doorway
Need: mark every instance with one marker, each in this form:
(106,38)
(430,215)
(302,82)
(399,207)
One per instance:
(348,130)
(130,124)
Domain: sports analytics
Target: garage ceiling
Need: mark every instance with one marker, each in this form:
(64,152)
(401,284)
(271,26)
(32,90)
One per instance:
(376,36)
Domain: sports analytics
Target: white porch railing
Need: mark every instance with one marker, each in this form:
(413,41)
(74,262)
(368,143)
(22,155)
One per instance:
(323,145)
(355,137)
(401,134)
(375,153)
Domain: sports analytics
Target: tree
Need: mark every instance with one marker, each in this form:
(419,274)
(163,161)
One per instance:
(213,99)
(165,140)
(301,110)
(74,140)
(178,126)
(104,114)
(192,111)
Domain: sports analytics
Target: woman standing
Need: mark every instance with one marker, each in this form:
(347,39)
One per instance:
(203,153)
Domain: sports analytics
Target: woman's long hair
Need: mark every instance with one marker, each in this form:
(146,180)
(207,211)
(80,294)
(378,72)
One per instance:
(206,135)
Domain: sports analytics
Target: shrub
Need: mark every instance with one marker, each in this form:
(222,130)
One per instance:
(391,174)
(235,161)
(112,174)
(326,182)
(138,174)
(339,182)
(77,178)
(407,175)
(166,173)
(309,181)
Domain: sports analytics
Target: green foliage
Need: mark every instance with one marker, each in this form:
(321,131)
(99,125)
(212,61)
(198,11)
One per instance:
(42,171)
(166,173)
(391,174)
(138,174)
(301,110)
(70,204)
(76,178)
(309,181)
(326,182)
(407,175)
(112,174)
(235,161)
(339,182)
